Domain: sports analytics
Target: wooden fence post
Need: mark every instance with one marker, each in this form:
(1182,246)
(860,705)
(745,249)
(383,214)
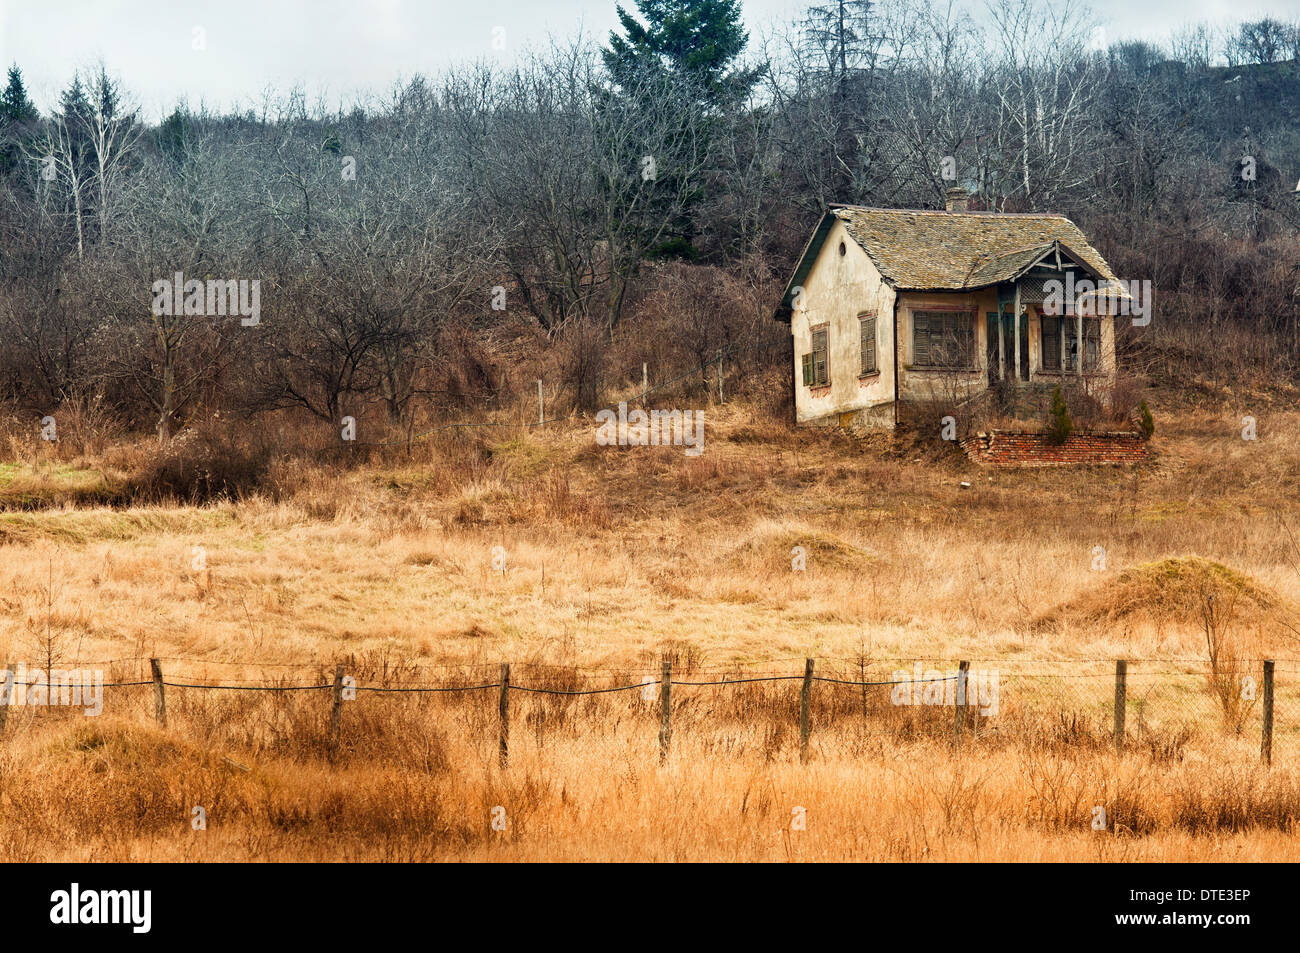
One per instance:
(805,697)
(6,694)
(959,699)
(336,710)
(503,709)
(665,710)
(159,698)
(1266,742)
(1121,702)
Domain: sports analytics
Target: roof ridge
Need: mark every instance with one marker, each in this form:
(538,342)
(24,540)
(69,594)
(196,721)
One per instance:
(930,250)
(991,256)
(987,259)
(938,211)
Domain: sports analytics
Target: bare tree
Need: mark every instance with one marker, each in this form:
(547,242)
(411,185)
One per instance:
(1044,86)
(87,145)
(1263,41)
(1195,45)
(588,179)
(184,219)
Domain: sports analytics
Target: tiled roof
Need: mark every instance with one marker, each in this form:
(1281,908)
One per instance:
(1008,266)
(921,250)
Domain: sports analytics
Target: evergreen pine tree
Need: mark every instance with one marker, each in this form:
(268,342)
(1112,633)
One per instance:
(16,111)
(15,106)
(172,133)
(1059,424)
(74,105)
(1147,422)
(698,40)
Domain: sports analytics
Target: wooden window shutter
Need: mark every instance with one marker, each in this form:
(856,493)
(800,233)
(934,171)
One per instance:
(965,329)
(1091,343)
(868,345)
(943,338)
(1051,343)
(807,369)
(920,338)
(821,374)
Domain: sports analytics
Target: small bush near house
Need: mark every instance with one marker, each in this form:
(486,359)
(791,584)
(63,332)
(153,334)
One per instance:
(1059,425)
(1146,421)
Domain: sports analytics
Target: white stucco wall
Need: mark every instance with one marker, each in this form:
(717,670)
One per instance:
(838,289)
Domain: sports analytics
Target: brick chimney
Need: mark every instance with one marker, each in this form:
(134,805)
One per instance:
(958,199)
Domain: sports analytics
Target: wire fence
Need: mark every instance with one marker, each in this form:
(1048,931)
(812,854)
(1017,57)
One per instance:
(1164,709)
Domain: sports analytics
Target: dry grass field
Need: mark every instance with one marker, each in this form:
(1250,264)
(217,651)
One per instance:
(613,559)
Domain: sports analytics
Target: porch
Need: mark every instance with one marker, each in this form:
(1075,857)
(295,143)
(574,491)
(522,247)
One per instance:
(1051,323)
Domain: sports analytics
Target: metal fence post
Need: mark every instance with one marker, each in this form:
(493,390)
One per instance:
(959,699)
(503,707)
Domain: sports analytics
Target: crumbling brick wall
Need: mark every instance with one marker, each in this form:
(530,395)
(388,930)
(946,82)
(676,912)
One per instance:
(1005,448)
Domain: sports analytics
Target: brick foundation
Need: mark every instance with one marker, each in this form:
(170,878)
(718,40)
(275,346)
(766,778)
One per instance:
(1006,448)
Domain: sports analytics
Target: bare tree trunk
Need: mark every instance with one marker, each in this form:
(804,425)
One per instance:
(168,398)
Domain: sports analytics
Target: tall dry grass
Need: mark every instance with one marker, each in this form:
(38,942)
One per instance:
(418,779)
(614,558)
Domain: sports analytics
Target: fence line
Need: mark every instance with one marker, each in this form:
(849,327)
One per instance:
(964,700)
(398,668)
(931,661)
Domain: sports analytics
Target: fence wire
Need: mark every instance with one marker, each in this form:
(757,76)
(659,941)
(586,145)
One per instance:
(1171,709)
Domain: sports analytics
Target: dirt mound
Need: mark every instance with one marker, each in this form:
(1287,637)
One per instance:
(1171,592)
(776,547)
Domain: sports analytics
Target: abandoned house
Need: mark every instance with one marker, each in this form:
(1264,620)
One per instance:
(895,307)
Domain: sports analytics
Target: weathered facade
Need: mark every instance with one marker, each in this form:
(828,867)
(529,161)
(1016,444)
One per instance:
(888,307)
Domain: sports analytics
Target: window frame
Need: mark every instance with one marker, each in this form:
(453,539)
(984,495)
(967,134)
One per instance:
(1050,359)
(810,359)
(1064,357)
(1092,342)
(922,357)
(864,319)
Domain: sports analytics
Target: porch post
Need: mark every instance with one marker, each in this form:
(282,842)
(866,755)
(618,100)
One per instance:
(1078,341)
(1016,333)
(1002,361)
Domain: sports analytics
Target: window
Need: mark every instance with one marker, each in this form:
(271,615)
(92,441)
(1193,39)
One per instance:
(1091,344)
(1051,343)
(1061,343)
(943,339)
(815,373)
(868,325)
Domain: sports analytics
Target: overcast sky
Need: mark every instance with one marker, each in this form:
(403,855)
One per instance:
(340,48)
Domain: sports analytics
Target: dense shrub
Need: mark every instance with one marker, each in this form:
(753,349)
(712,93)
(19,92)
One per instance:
(1059,425)
(1146,421)
(212,462)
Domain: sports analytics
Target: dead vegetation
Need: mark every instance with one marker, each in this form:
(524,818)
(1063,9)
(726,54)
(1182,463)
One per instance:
(614,559)
(1188,591)
(415,778)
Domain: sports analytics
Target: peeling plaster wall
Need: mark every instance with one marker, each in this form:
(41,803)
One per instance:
(838,289)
